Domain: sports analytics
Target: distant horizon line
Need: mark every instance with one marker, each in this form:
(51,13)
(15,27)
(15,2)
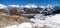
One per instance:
(29,4)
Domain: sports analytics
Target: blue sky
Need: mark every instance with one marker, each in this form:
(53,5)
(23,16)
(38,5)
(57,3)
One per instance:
(24,2)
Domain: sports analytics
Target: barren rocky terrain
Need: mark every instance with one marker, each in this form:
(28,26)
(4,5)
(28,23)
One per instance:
(7,20)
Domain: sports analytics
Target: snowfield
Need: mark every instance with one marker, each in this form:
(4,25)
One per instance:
(22,25)
(50,21)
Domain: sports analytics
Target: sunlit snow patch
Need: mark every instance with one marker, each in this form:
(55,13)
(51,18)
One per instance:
(22,25)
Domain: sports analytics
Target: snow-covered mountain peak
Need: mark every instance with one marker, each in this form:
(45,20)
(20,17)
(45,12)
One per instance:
(49,6)
(14,5)
(42,6)
(2,6)
(21,6)
(30,6)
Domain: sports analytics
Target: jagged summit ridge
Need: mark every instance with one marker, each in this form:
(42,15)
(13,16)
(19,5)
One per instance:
(26,6)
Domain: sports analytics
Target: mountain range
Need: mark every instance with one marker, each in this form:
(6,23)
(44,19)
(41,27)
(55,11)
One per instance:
(30,9)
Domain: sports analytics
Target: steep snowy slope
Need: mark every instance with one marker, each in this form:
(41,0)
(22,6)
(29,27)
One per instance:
(2,6)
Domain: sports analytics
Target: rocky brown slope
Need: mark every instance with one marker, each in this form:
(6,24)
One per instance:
(6,20)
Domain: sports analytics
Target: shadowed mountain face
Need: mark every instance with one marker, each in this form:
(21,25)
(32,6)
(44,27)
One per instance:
(31,11)
(56,11)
